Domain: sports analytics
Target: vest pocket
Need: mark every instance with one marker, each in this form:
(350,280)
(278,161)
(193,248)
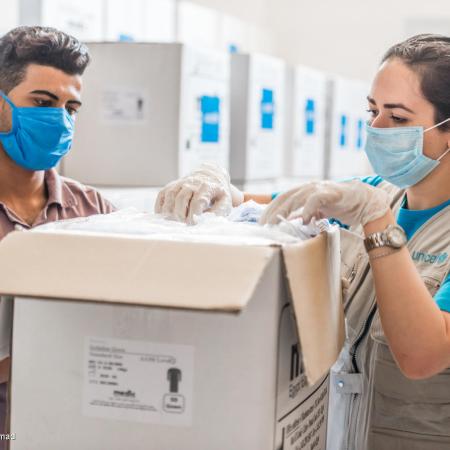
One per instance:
(401,405)
(387,439)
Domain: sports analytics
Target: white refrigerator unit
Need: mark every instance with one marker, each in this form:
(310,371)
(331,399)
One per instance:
(151,113)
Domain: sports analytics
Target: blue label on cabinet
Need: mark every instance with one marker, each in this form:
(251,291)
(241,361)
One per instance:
(210,107)
(359,134)
(267,109)
(125,37)
(233,48)
(343,131)
(310,109)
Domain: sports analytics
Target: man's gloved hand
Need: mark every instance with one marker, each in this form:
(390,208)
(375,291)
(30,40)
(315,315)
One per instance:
(207,189)
(351,202)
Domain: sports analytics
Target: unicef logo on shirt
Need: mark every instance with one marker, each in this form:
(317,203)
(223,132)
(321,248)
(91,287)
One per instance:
(429,258)
(442,258)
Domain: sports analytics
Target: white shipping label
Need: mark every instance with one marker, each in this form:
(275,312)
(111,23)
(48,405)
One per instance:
(124,105)
(138,381)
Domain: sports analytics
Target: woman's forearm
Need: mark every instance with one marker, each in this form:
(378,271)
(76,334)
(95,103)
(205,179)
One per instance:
(416,329)
(263,199)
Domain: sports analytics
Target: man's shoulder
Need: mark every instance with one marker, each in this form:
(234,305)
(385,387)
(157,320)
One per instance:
(86,194)
(76,187)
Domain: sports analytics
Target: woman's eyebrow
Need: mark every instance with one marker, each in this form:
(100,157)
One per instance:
(397,105)
(390,105)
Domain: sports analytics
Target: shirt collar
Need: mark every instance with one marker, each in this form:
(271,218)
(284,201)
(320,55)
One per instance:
(58,192)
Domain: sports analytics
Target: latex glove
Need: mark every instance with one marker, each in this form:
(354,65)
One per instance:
(207,189)
(351,202)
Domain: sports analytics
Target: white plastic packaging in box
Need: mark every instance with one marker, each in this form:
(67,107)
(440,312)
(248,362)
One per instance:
(239,227)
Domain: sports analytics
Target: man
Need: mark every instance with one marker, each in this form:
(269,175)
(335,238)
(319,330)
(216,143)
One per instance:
(40,95)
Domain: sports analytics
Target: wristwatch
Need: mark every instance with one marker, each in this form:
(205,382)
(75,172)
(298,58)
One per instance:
(393,237)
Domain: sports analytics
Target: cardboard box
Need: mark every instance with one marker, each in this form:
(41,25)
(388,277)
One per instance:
(140,20)
(257,117)
(124,21)
(126,341)
(234,35)
(160,20)
(150,126)
(197,25)
(347,157)
(82,19)
(306,123)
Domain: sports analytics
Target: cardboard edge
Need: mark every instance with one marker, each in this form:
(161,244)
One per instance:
(317,300)
(220,277)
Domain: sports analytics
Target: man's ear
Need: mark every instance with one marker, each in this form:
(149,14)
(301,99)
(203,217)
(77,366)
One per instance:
(5,116)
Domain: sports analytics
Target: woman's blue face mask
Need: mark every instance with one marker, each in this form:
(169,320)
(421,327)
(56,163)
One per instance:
(396,154)
(39,137)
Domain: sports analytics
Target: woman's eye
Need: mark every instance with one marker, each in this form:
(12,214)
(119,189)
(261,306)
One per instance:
(372,112)
(398,119)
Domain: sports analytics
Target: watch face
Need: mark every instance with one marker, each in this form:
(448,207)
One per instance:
(397,237)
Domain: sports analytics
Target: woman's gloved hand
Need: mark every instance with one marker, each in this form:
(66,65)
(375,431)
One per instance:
(351,202)
(207,189)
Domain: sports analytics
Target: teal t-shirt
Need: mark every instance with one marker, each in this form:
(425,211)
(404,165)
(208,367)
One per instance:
(411,221)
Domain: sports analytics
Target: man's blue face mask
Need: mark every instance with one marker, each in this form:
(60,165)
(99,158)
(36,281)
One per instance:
(39,137)
(396,154)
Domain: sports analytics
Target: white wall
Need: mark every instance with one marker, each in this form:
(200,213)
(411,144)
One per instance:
(9,17)
(347,37)
(253,11)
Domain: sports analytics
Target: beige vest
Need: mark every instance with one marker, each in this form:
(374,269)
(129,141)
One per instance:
(384,409)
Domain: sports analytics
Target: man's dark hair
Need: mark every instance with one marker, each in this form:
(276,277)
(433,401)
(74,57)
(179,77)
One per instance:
(429,56)
(23,46)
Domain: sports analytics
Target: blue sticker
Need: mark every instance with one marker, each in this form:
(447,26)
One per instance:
(210,107)
(233,48)
(125,37)
(359,134)
(310,122)
(267,109)
(343,131)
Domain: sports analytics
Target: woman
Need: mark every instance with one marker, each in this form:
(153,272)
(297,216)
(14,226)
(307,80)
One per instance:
(391,385)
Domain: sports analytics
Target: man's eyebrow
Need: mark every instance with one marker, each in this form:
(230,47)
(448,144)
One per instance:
(47,93)
(53,96)
(390,105)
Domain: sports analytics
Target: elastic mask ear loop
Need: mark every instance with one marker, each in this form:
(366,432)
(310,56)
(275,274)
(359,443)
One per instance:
(437,125)
(7,99)
(443,154)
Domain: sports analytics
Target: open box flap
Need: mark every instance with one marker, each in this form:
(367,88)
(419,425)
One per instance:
(316,295)
(125,269)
